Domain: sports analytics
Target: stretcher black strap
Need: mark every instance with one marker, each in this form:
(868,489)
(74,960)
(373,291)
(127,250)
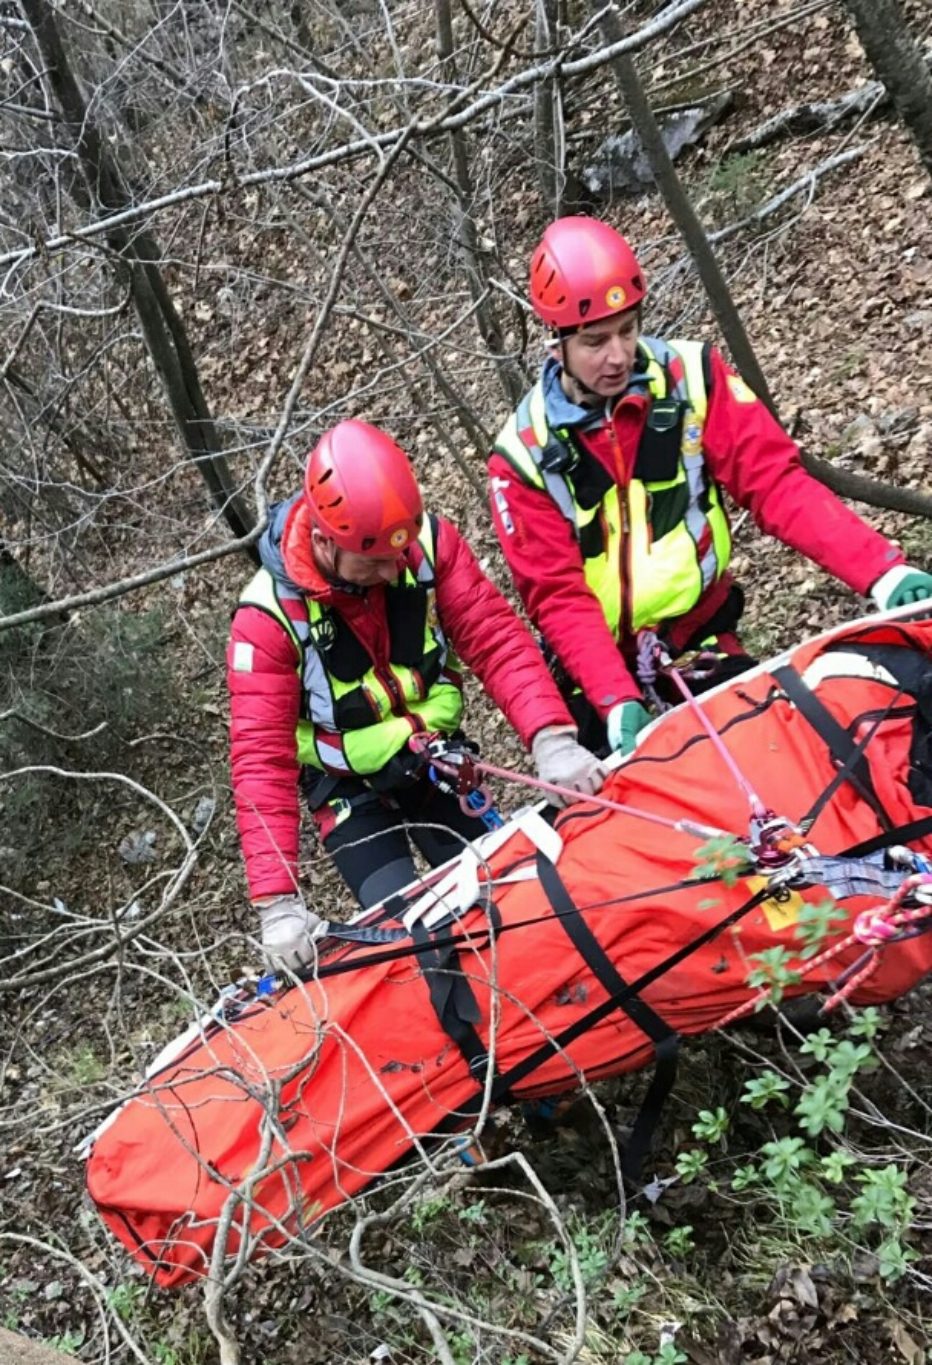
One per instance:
(902,834)
(664,1038)
(835,737)
(506,1082)
(841,776)
(454,1003)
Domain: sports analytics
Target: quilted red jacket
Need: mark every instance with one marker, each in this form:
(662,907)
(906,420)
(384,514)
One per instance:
(265,699)
(746,451)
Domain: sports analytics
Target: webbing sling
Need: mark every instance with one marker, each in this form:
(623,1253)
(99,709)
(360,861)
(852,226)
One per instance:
(665,1039)
(454,1003)
(844,772)
(837,740)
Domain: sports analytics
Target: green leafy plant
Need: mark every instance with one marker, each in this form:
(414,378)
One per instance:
(773,974)
(474,1213)
(817,922)
(690,1165)
(680,1241)
(591,1254)
(428,1211)
(884,1199)
(636,1230)
(80,1066)
(66,1342)
(711,1125)
(868,1024)
(723,857)
(767,1088)
(624,1301)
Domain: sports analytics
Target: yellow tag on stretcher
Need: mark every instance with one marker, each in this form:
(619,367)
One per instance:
(780,914)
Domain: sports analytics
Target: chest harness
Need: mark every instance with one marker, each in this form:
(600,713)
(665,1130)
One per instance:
(650,549)
(357,713)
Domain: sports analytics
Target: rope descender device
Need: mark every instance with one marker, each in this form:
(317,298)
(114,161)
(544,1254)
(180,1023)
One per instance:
(453,766)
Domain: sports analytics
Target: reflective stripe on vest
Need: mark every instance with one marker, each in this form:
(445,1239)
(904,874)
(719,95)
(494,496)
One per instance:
(387,706)
(677,540)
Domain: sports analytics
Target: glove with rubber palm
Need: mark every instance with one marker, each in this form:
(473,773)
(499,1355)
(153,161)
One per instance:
(900,586)
(561,760)
(624,723)
(288,932)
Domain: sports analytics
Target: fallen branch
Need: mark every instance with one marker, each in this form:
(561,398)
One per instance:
(805,182)
(874,492)
(821,116)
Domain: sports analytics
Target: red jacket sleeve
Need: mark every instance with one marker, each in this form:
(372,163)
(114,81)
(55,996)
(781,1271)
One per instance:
(547,568)
(492,639)
(750,454)
(265,699)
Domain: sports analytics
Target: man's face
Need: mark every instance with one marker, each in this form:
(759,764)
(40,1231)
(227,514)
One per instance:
(601,355)
(364,571)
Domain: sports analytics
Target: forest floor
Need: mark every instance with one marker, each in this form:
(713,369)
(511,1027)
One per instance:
(837,297)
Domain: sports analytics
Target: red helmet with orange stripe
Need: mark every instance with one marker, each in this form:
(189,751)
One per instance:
(361,491)
(583,271)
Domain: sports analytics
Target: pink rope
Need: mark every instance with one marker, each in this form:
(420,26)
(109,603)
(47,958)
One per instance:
(683,826)
(758,809)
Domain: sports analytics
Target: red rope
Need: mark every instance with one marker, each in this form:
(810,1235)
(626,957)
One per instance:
(876,928)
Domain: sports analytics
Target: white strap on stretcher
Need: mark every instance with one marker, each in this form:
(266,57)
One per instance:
(460,888)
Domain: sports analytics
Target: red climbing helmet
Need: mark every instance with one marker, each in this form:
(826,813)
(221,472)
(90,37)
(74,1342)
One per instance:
(362,492)
(583,271)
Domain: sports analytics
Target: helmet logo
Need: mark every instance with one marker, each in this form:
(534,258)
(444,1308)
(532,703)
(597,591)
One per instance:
(615,297)
(398,538)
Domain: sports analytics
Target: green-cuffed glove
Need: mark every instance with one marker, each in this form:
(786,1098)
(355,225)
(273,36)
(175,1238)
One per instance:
(900,586)
(624,723)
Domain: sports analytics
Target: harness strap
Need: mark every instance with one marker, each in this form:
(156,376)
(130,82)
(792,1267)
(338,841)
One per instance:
(839,743)
(665,1040)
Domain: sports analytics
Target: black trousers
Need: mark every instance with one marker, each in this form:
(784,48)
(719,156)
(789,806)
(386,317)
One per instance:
(364,831)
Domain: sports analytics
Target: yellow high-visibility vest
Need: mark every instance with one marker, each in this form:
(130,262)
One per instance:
(640,544)
(354,717)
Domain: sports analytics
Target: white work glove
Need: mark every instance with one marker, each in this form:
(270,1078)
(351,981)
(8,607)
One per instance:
(560,760)
(288,932)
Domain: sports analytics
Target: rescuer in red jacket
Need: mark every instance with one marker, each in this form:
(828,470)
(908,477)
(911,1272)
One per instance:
(606,482)
(341,650)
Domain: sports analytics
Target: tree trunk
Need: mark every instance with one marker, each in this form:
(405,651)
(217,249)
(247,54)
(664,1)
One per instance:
(510,376)
(682,211)
(896,58)
(163,330)
(872,491)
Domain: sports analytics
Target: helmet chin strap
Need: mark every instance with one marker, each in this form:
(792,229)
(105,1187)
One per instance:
(590,397)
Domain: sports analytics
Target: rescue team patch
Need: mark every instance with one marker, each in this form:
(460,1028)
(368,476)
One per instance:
(243,654)
(692,439)
(740,390)
(615,297)
(501,505)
